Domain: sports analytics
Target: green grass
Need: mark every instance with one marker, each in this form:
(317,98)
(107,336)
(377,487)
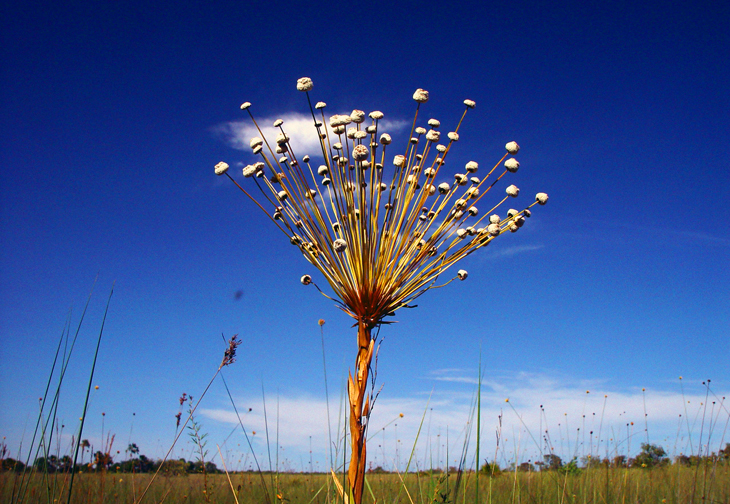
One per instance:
(672,484)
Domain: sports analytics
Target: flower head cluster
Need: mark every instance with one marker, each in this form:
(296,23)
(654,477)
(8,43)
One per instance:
(380,226)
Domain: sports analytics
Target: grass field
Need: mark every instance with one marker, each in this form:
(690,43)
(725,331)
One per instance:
(706,483)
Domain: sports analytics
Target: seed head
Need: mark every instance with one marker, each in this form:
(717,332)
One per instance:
(433,136)
(512,165)
(421,95)
(221,168)
(278,123)
(305,84)
(358,116)
(385,139)
(376,115)
(399,161)
(462,274)
(513,191)
(472,167)
(360,153)
(470,103)
(444,187)
(306,280)
(494,219)
(339,245)
(434,123)
(453,136)
(245,105)
(249,171)
(493,229)
(512,147)
(541,198)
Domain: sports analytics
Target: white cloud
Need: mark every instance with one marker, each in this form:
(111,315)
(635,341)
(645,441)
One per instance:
(299,127)
(539,406)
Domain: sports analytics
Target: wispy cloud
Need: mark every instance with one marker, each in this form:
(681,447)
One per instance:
(299,127)
(502,252)
(578,417)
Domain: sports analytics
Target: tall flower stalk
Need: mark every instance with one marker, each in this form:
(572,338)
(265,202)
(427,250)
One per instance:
(381,227)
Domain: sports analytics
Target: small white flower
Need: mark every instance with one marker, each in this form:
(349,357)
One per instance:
(470,103)
(375,115)
(249,171)
(462,274)
(472,166)
(453,136)
(493,229)
(305,158)
(283,160)
(444,187)
(337,130)
(360,152)
(357,116)
(322,170)
(512,212)
(351,133)
(306,280)
(340,120)
(245,105)
(512,165)
(281,195)
(399,160)
(434,123)
(472,192)
(429,172)
(474,180)
(320,105)
(433,136)
(420,131)
(339,245)
(461,233)
(421,95)
(257,149)
(304,84)
(512,147)
(278,123)
(541,198)
(385,139)
(441,148)
(494,219)
(473,211)
(255,142)
(513,191)
(221,168)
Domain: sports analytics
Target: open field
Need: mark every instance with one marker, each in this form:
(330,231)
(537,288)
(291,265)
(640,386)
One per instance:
(671,484)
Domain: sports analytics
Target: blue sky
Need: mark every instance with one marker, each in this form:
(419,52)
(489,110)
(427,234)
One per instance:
(112,117)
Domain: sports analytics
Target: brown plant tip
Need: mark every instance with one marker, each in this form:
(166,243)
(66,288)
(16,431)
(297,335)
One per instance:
(320,322)
(229,356)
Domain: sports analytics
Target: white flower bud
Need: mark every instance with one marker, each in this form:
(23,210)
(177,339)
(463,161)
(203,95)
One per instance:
(512,148)
(512,165)
(462,274)
(444,187)
(282,138)
(434,123)
(221,168)
(399,160)
(512,212)
(421,95)
(245,105)
(513,191)
(433,136)
(429,172)
(472,167)
(306,280)
(357,116)
(320,105)
(304,84)
(249,171)
(453,136)
(470,103)
(278,123)
(493,229)
(385,139)
(494,219)
(461,233)
(376,115)
(360,153)
(473,211)
(255,142)
(339,245)
(340,120)
(420,131)
(541,198)
(281,195)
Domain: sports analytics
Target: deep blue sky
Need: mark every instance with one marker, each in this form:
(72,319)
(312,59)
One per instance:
(110,115)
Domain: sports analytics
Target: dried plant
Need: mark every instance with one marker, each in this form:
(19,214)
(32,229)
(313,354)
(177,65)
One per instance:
(380,229)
